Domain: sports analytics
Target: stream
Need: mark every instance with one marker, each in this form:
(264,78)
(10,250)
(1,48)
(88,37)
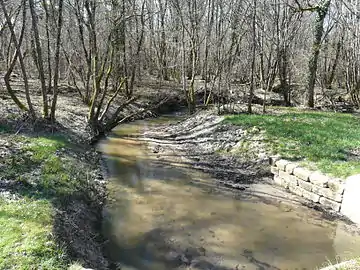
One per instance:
(162,214)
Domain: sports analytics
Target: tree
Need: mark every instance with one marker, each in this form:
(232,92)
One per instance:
(38,57)
(57,59)
(253,56)
(321,9)
(17,56)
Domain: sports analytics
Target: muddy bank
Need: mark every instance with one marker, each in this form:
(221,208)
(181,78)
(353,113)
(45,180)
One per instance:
(164,214)
(76,207)
(236,157)
(77,217)
(233,155)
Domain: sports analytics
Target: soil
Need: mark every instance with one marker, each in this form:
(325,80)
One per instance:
(236,157)
(168,213)
(199,140)
(78,219)
(203,141)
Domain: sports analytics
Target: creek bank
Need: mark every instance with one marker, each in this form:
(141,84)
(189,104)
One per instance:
(172,192)
(237,157)
(52,167)
(347,265)
(55,163)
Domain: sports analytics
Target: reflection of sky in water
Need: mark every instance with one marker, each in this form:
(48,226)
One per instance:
(159,220)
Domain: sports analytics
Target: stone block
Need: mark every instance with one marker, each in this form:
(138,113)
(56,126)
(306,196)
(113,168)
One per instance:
(305,185)
(310,196)
(336,185)
(283,174)
(273,159)
(288,179)
(302,173)
(351,201)
(330,204)
(277,180)
(281,164)
(328,193)
(293,180)
(319,179)
(289,168)
(285,183)
(296,190)
(274,170)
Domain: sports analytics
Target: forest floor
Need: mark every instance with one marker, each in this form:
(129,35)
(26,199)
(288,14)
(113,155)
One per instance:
(51,191)
(52,186)
(51,182)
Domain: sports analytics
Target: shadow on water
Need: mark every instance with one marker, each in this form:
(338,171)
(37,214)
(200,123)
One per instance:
(166,215)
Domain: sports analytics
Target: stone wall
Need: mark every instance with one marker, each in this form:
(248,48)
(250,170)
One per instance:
(351,202)
(313,186)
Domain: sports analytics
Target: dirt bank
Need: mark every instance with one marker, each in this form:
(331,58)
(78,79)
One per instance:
(215,147)
(27,149)
(76,213)
(162,213)
(236,157)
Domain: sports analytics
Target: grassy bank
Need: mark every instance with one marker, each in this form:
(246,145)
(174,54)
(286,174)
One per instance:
(40,178)
(329,142)
(353,264)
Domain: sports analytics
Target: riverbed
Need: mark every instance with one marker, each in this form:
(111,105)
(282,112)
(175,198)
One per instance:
(163,213)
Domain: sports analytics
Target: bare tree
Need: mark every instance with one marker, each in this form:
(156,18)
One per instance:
(57,59)
(321,9)
(39,57)
(17,56)
(253,56)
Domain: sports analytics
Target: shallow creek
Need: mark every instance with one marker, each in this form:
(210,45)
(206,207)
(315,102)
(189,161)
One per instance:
(165,215)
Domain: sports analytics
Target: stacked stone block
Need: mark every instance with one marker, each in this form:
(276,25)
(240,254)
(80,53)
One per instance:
(313,186)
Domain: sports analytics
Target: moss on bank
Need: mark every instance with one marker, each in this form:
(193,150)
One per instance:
(49,203)
(326,141)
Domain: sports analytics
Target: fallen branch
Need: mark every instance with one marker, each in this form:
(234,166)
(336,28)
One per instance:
(110,126)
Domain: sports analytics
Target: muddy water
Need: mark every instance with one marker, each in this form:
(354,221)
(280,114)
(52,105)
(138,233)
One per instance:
(163,215)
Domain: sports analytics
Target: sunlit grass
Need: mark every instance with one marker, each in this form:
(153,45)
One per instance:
(43,173)
(321,138)
(25,235)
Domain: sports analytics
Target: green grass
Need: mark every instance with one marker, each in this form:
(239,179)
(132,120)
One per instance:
(26,222)
(25,236)
(321,139)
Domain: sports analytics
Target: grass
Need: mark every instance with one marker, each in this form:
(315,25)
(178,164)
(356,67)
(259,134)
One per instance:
(353,264)
(25,236)
(325,141)
(42,173)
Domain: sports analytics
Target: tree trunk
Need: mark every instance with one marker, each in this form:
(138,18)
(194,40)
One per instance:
(331,77)
(251,91)
(40,63)
(57,59)
(283,66)
(17,55)
(321,11)
(48,41)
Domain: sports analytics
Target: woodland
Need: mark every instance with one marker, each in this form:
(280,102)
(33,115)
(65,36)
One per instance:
(216,51)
